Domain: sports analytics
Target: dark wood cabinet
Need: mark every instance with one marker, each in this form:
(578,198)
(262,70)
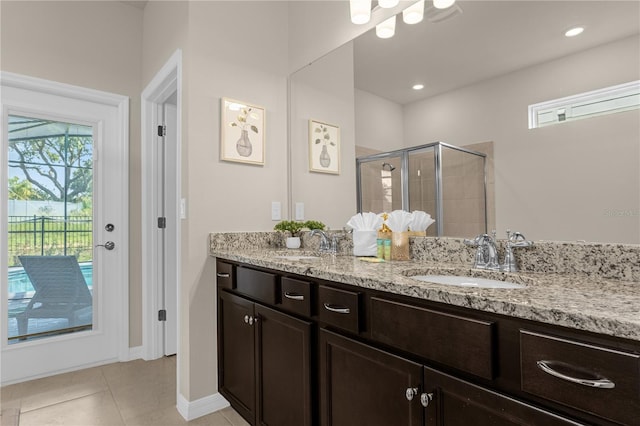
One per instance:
(264,358)
(456,402)
(298,351)
(283,369)
(236,359)
(362,385)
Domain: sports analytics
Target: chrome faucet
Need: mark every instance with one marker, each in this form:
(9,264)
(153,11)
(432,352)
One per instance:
(328,243)
(487,251)
(513,241)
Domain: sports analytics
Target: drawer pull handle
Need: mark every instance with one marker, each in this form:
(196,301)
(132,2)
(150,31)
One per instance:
(594,383)
(336,309)
(223,275)
(293,296)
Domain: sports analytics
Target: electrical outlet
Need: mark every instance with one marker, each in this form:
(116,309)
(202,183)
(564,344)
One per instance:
(276,210)
(299,211)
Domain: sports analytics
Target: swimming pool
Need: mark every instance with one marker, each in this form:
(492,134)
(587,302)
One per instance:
(19,282)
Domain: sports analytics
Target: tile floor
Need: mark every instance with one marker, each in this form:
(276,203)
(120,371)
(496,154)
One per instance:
(130,393)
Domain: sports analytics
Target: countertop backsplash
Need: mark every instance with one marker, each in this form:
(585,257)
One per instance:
(603,260)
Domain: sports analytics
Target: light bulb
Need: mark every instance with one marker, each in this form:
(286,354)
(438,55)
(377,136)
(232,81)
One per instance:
(414,13)
(418,86)
(386,29)
(360,11)
(574,32)
(443,4)
(386,4)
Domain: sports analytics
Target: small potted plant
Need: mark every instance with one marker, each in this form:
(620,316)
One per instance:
(294,229)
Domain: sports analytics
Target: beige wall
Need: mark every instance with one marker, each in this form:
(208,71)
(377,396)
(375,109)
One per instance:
(325,93)
(96,45)
(165,29)
(557,182)
(237,50)
(379,122)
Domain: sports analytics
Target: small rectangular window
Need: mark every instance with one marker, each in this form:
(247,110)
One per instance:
(623,97)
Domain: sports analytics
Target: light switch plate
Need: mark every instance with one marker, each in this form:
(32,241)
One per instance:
(299,211)
(276,210)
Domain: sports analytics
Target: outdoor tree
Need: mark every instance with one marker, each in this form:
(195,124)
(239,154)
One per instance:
(22,189)
(56,167)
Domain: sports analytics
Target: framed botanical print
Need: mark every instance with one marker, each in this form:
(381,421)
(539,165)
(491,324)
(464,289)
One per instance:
(242,132)
(324,147)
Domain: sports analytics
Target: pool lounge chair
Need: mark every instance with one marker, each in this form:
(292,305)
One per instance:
(60,291)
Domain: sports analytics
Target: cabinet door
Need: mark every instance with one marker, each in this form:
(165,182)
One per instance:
(283,367)
(456,402)
(236,348)
(361,385)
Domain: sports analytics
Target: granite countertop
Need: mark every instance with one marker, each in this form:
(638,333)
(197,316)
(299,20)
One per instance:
(579,301)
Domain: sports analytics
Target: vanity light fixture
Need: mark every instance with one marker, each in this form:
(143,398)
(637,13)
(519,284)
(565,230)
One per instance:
(418,86)
(360,11)
(387,4)
(386,29)
(574,31)
(443,4)
(414,13)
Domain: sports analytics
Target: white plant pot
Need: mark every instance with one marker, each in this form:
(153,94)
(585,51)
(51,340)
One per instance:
(293,242)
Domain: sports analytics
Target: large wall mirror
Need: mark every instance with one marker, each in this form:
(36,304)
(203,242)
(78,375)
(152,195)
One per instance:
(482,65)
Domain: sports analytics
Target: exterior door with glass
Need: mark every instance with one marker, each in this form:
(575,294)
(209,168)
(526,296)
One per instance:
(64,256)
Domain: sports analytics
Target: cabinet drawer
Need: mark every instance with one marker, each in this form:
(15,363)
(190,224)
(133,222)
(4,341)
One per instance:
(296,296)
(340,308)
(257,284)
(593,379)
(463,343)
(224,275)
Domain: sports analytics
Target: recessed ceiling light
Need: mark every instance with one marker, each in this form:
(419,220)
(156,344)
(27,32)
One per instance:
(418,86)
(574,31)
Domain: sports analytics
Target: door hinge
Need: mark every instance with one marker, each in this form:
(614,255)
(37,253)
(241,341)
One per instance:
(162,130)
(162,315)
(162,222)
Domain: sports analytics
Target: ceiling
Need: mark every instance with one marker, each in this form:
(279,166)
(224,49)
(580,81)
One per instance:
(488,39)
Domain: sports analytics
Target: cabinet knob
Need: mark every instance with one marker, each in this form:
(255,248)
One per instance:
(410,393)
(425,399)
(246,319)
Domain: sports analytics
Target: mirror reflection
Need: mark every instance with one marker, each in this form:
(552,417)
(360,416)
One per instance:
(481,70)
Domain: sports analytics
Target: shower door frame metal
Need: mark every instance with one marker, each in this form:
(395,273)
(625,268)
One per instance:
(404,176)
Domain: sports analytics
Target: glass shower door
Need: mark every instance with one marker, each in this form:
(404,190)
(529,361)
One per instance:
(380,184)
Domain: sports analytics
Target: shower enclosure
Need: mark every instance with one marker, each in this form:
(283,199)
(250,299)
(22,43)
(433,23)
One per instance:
(446,181)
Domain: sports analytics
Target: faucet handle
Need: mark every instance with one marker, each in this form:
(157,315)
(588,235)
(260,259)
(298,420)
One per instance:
(517,239)
(478,240)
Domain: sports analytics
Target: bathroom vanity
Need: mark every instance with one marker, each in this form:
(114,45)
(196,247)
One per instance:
(332,340)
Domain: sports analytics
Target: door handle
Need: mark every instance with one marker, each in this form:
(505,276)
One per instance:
(109,245)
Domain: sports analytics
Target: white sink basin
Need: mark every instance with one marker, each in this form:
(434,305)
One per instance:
(296,257)
(466,281)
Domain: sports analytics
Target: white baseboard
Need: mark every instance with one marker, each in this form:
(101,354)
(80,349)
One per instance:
(200,407)
(135,353)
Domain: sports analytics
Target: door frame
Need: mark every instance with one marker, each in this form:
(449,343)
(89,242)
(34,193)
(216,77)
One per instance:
(121,285)
(166,82)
